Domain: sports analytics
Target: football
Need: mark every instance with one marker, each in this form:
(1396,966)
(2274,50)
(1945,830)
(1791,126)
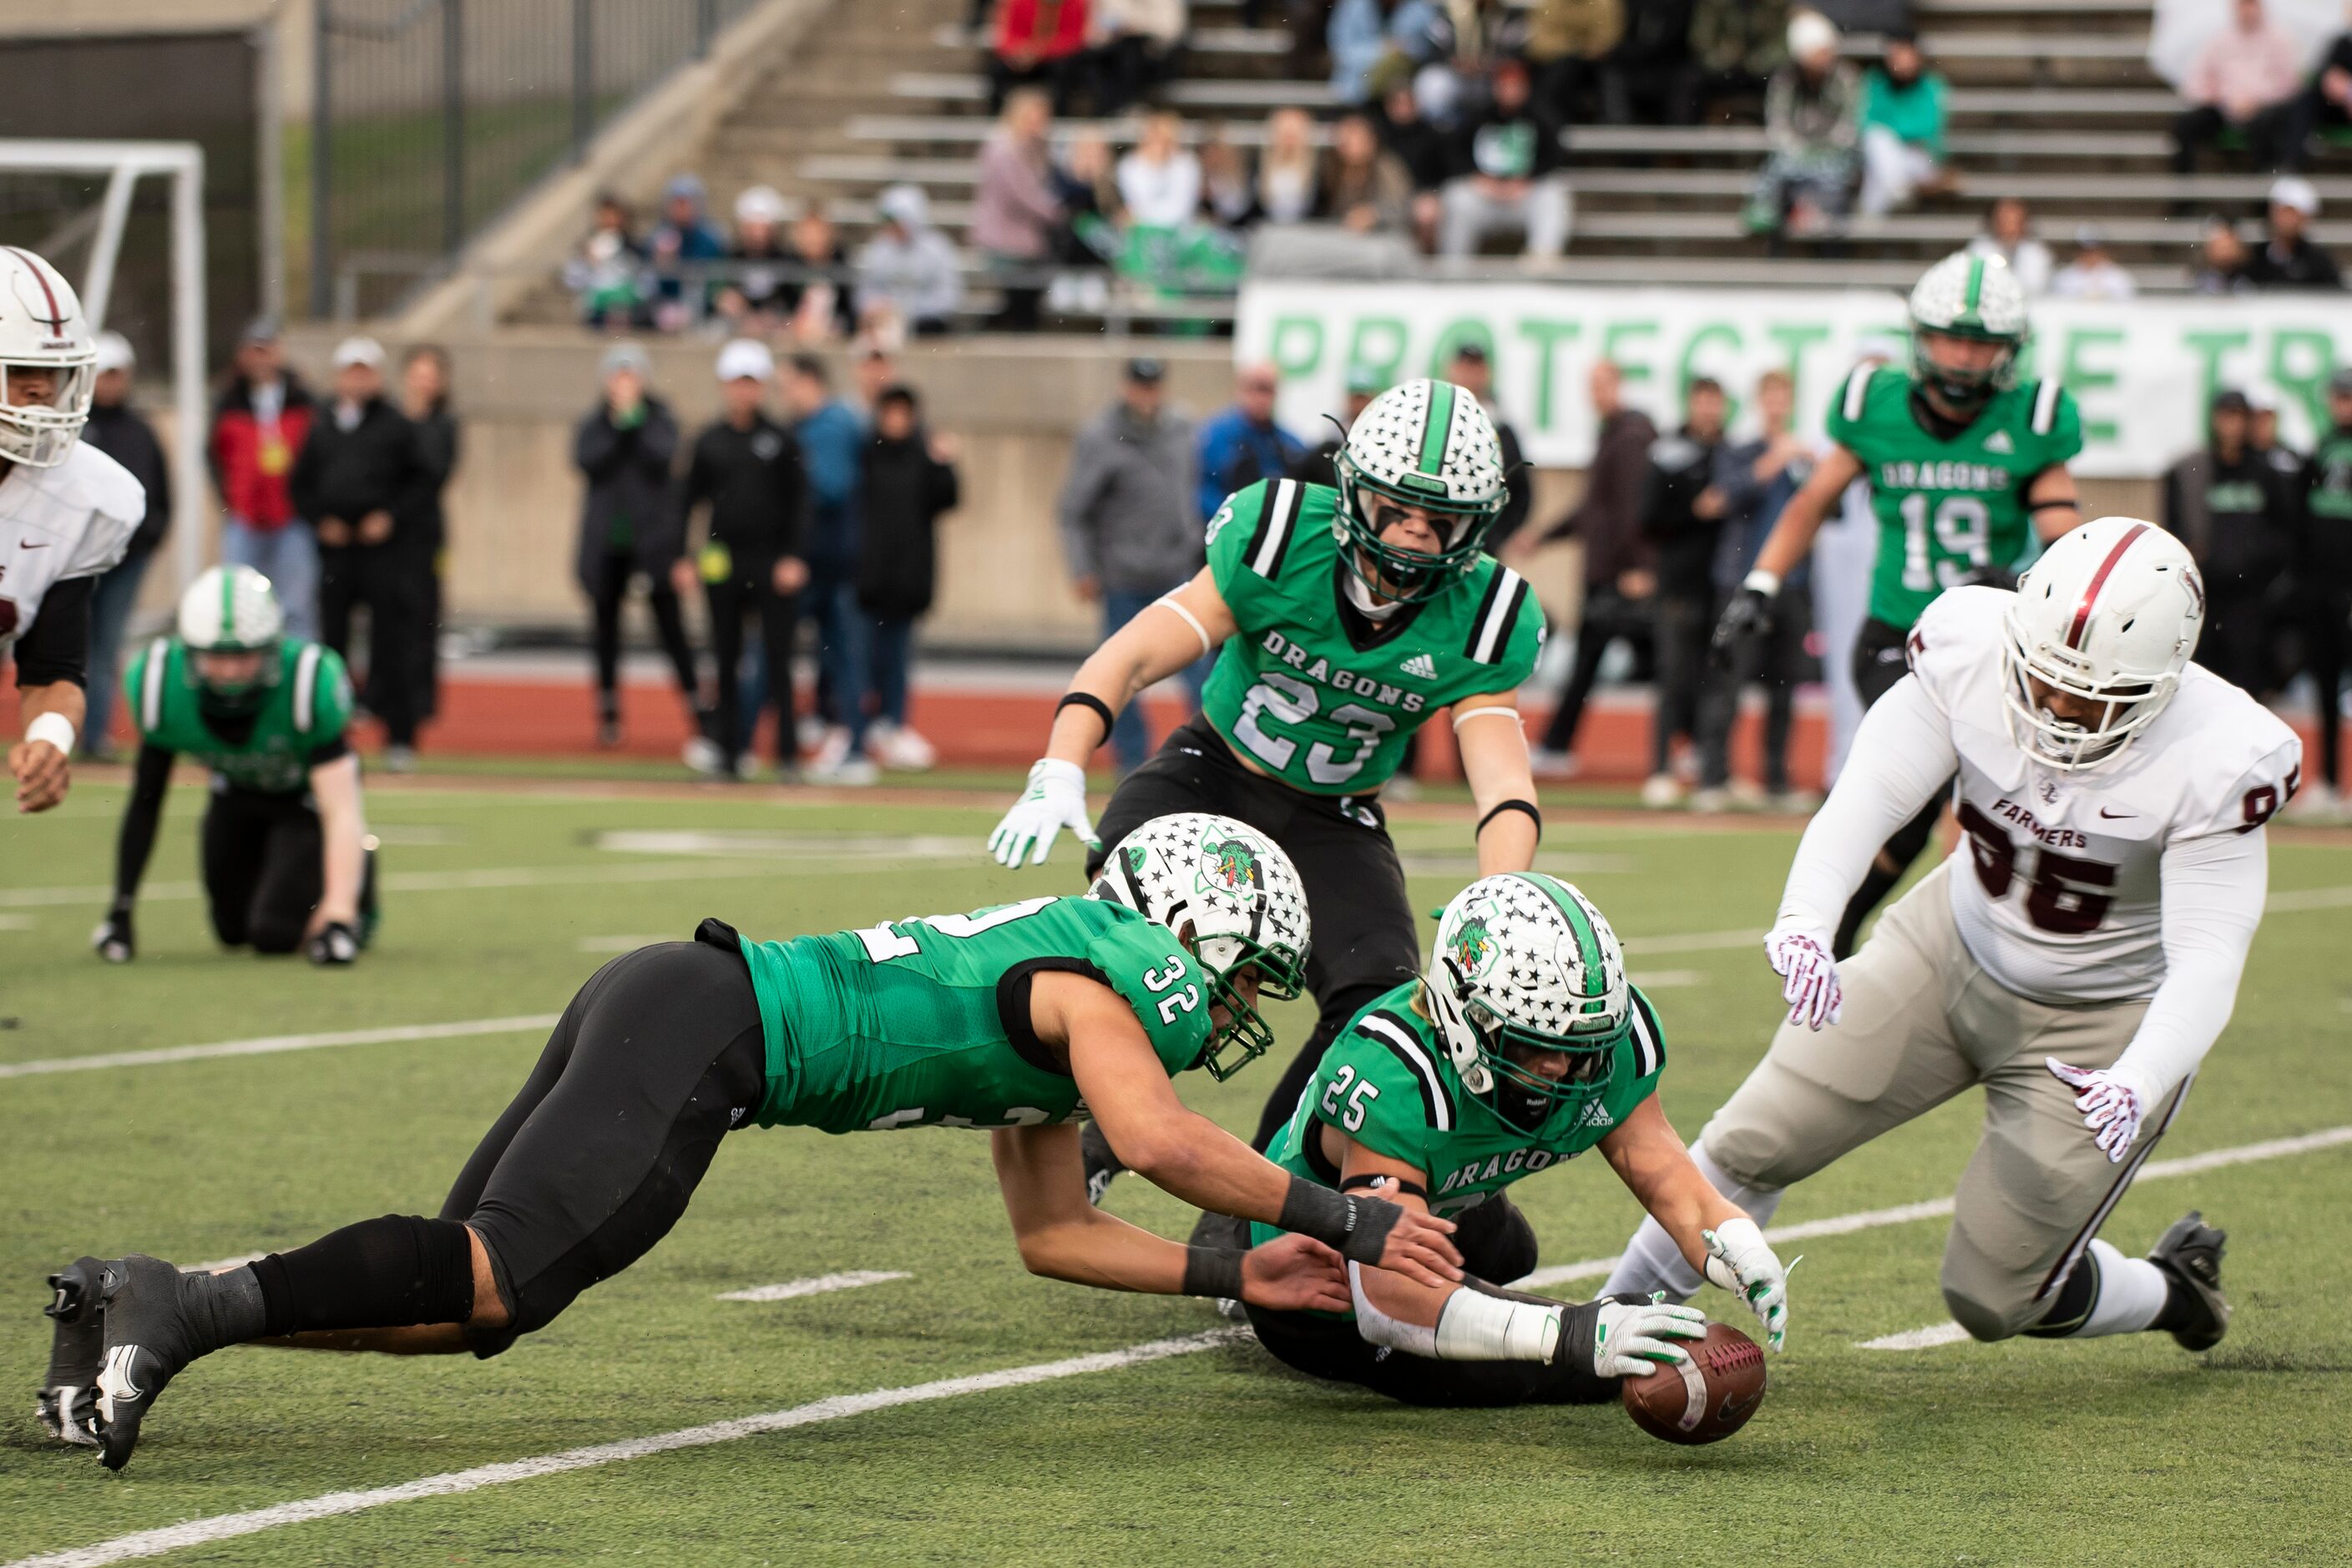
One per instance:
(1705,1399)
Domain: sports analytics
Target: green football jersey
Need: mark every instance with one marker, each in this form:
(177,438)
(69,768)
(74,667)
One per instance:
(904,1024)
(1293,694)
(307,708)
(1946,508)
(1387,1083)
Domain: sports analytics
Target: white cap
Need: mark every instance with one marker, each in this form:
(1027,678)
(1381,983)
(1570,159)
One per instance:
(114,353)
(745,359)
(759,204)
(1809,32)
(358,350)
(2293,191)
(905,205)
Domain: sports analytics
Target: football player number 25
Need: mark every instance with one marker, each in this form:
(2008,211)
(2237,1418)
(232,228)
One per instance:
(1290,701)
(1347,1087)
(2065,895)
(1963,530)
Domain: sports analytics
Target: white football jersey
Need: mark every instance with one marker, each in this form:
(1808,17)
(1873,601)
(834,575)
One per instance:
(75,520)
(2057,887)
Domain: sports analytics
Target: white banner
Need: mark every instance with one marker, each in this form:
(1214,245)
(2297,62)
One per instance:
(2142,372)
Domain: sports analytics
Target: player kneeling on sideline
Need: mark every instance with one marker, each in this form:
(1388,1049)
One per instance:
(287,863)
(1522,1045)
(1019,1019)
(2077,957)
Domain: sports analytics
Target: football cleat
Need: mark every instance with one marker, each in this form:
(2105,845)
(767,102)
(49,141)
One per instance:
(68,1404)
(2190,1255)
(147,1340)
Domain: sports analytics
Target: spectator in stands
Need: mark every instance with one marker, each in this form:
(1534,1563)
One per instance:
(1810,117)
(2238,516)
(2093,274)
(908,278)
(1363,37)
(752,299)
(1471,370)
(2324,105)
(833,452)
(357,479)
(1286,167)
(1130,519)
(606,275)
(1228,191)
(1567,42)
(2223,261)
(628,528)
(123,433)
(1739,44)
(1159,180)
(1131,49)
(1085,177)
(909,480)
(1507,173)
(2289,258)
(684,236)
(746,470)
(1903,117)
(1243,445)
(875,368)
(1040,43)
(2324,571)
(1621,580)
(1682,517)
(421,535)
(818,305)
(1652,77)
(1365,188)
(2248,78)
(2008,233)
(1756,479)
(1014,210)
(258,424)
(1361,384)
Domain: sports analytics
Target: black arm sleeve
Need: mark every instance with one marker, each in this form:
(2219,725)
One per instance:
(56,646)
(141,817)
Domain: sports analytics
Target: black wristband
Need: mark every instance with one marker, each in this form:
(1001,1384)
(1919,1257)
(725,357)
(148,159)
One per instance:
(1358,1228)
(1089,699)
(1215,1271)
(1366,1182)
(1527,805)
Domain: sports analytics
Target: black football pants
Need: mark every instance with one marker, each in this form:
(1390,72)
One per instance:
(731,602)
(263,867)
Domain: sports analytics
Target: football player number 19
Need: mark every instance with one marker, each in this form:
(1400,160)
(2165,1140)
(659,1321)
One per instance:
(1962,528)
(1291,701)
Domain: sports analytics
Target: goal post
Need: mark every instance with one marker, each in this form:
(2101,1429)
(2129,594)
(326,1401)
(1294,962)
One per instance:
(125,163)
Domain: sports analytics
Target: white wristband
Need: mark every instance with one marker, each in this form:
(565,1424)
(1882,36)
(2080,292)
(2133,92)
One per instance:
(1474,1326)
(56,729)
(1765,582)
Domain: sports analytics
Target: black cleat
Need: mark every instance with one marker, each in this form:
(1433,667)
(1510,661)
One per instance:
(148,1340)
(2190,1255)
(68,1402)
(1101,1163)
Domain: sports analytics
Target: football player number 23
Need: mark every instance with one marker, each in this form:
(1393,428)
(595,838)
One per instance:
(1290,701)
(2065,895)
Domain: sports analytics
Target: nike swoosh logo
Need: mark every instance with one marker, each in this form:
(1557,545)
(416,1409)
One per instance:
(33,544)
(1733,1405)
(2116,816)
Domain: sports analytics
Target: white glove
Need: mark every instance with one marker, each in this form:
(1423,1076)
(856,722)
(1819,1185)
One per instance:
(1632,1339)
(1055,799)
(1801,958)
(1741,1261)
(2111,1104)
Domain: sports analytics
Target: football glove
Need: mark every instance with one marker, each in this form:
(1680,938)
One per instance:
(335,943)
(1809,977)
(2111,1104)
(1055,799)
(1630,1338)
(112,940)
(1988,576)
(1741,1261)
(1750,615)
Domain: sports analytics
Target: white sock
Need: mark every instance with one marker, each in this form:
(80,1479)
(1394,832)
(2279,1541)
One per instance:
(1653,1262)
(2132,1291)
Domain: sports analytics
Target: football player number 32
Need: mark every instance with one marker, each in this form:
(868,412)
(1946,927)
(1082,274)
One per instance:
(1290,701)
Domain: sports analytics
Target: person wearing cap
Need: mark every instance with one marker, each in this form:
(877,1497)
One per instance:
(123,433)
(745,470)
(2238,516)
(752,299)
(1472,369)
(908,278)
(685,236)
(2324,573)
(1812,120)
(629,527)
(358,474)
(1318,467)
(2093,274)
(1130,520)
(1903,117)
(1506,171)
(258,423)
(2248,78)
(2263,430)
(2289,258)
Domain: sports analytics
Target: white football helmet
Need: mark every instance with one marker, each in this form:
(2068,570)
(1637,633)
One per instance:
(231,609)
(2109,614)
(1425,444)
(1234,896)
(41,325)
(1973,296)
(1525,960)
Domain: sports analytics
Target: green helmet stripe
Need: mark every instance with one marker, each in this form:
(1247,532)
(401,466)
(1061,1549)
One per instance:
(1976,285)
(1435,430)
(228,605)
(1588,940)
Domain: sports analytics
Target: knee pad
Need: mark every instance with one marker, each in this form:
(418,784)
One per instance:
(1495,1241)
(275,937)
(1986,1323)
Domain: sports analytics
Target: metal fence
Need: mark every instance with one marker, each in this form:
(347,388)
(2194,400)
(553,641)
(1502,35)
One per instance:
(430,117)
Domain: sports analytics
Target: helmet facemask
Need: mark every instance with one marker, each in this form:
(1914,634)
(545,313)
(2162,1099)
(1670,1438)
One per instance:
(2130,703)
(1244,1035)
(1397,575)
(1516,1091)
(38,428)
(1963,388)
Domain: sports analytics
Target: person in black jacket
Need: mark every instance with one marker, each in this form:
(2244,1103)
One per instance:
(119,431)
(629,526)
(747,468)
(910,480)
(2237,513)
(1506,171)
(2325,575)
(1471,369)
(357,477)
(1682,516)
(421,539)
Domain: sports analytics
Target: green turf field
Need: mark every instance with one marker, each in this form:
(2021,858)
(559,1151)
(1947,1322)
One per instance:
(502,900)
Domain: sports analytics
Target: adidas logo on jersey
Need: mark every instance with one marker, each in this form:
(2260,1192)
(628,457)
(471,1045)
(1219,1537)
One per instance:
(1421,666)
(1597,1114)
(1999,441)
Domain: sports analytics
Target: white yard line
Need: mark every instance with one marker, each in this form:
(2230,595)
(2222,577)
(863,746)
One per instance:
(270,1044)
(230,1526)
(1925,1339)
(818,1285)
(442,881)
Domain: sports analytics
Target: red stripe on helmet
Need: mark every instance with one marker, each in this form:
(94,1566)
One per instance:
(2099,581)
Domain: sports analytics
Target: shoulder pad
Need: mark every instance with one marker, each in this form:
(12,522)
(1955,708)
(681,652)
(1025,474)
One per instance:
(1958,639)
(1497,617)
(1279,504)
(1413,1054)
(88,478)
